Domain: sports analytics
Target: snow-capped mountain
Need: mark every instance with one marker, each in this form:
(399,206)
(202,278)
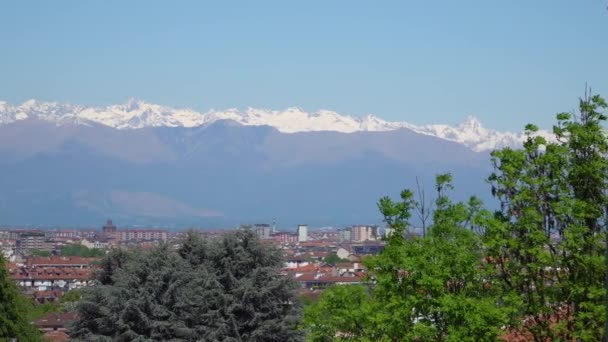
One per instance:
(138,114)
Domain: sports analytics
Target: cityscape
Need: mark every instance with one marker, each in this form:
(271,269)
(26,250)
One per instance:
(314,258)
(281,171)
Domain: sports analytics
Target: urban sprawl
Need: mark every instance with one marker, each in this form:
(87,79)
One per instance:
(38,263)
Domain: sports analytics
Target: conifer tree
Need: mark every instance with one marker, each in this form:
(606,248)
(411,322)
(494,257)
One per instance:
(225,290)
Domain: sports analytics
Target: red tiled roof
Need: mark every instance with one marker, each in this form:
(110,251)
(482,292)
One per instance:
(47,294)
(49,273)
(59,260)
(312,243)
(332,279)
(323,278)
(56,336)
(306,268)
(59,320)
(306,277)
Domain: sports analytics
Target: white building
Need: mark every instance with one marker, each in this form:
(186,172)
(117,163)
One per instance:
(8,253)
(141,235)
(302,233)
(363,233)
(262,231)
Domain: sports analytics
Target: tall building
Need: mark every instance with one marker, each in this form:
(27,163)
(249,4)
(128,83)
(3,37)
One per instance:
(109,228)
(362,233)
(302,233)
(344,235)
(142,235)
(28,240)
(262,231)
(285,237)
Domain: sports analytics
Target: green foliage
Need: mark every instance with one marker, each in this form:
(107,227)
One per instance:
(333,259)
(432,288)
(342,312)
(14,320)
(40,253)
(69,301)
(546,240)
(397,213)
(36,311)
(81,251)
(74,295)
(225,290)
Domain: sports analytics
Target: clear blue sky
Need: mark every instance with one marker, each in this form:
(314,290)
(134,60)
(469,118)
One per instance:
(507,62)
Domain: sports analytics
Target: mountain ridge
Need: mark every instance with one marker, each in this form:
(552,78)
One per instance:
(137,114)
(220,174)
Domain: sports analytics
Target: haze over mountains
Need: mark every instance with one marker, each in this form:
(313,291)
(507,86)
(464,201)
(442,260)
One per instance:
(141,163)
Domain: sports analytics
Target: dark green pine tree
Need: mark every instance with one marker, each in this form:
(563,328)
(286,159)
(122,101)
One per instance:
(225,290)
(14,310)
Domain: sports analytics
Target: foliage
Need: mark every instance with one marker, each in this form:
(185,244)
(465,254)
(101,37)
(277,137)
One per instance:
(36,310)
(546,240)
(81,251)
(14,321)
(538,264)
(432,288)
(40,253)
(67,303)
(74,295)
(345,312)
(333,258)
(228,290)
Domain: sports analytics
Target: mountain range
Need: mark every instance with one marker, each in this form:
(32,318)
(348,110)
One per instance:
(145,164)
(137,114)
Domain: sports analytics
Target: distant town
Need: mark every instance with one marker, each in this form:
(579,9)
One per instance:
(48,263)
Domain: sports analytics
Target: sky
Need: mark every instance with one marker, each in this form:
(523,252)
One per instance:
(506,62)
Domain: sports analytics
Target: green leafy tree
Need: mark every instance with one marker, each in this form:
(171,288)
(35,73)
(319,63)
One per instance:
(343,312)
(36,310)
(71,296)
(81,251)
(547,238)
(225,290)
(40,253)
(432,288)
(14,322)
(333,259)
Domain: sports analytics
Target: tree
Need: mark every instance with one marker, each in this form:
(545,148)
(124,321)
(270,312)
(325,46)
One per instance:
(227,290)
(546,240)
(333,259)
(343,311)
(81,251)
(432,288)
(423,207)
(14,321)
(40,253)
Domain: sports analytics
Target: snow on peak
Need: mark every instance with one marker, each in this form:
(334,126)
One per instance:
(471,123)
(136,113)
